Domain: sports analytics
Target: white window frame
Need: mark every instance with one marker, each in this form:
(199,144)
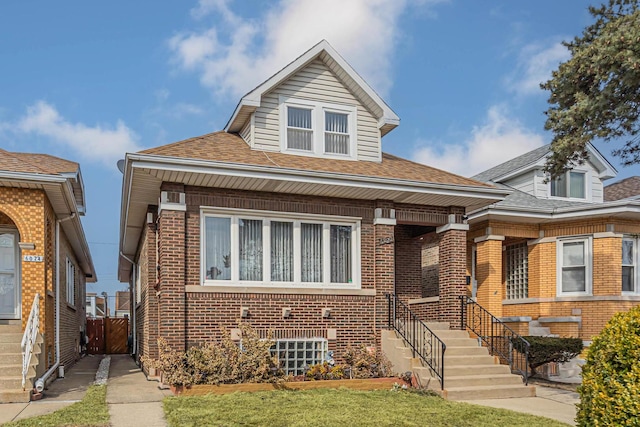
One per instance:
(71,281)
(588,276)
(138,283)
(266,217)
(318,126)
(567,178)
(636,263)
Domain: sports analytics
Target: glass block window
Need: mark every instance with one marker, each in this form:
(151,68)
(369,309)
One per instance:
(296,355)
(517,271)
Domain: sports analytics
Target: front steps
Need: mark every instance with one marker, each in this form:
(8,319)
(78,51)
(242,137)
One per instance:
(469,371)
(11,365)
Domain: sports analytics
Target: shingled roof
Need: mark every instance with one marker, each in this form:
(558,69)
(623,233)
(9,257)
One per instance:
(35,163)
(628,187)
(513,164)
(230,148)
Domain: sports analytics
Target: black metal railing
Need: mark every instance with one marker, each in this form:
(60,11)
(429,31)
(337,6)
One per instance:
(501,340)
(424,344)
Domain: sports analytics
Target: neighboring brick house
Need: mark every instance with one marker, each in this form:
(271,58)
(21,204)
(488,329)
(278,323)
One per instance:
(292,219)
(43,251)
(560,254)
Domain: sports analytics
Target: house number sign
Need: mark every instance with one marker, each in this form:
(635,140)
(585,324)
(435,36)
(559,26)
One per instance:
(33,258)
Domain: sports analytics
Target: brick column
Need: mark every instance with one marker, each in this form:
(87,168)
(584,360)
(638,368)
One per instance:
(384,262)
(452,271)
(171,258)
(489,273)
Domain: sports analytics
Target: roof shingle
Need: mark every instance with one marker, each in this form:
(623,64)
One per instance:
(35,163)
(628,187)
(230,148)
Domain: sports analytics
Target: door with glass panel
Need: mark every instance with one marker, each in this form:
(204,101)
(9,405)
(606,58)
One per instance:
(9,283)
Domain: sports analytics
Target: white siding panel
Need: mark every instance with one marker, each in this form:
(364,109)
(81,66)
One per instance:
(524,182)
(317,83)
(246,133)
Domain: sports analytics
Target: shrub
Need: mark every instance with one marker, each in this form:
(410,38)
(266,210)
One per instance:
(325,371)
(551,349)
(221,362)
(367,362)
(610,389)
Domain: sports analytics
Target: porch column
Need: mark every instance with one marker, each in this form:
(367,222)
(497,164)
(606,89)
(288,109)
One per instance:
(148,339)
(171,259)
(452,270)
(384,223)
(489,273)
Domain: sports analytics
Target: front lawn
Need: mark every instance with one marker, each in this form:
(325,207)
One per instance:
(341,407)
(91,411)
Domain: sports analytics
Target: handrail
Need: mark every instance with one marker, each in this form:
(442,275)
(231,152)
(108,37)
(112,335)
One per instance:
(501,340)
(29,338)
(423,342)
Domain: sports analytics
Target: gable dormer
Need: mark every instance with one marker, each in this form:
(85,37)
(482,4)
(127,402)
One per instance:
(315,106)
(583,183)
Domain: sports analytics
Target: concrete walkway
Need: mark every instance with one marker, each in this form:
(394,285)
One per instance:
(61,393)
(132,400)
(549,402)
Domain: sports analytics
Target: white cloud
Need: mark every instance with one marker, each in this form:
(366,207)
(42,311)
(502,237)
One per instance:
(236,54)
(499,139)
(101,144)
(536,61)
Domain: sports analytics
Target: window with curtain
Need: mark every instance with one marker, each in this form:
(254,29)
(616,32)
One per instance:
(317,128)
(571,184)
(278,251)
(299,129)
(629,270)
(336,133)
(574,261)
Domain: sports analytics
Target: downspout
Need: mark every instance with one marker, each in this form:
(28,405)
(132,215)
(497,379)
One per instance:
(132,303)
(40,383)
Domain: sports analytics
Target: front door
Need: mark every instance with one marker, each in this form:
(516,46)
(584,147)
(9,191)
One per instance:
(9,278)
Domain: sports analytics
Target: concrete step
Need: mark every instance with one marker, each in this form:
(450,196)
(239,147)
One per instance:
(10,347)
(466,360)
(15,396)
(475,370)
(490,392)
(8,383)
(466,351)
(482,380)
(460,342)
(11,358)
(15,369)
(11,337)
(438,326)
(446,335)
(11,329)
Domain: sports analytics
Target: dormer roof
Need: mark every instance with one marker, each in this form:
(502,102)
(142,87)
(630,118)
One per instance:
(535,159)
(387,118)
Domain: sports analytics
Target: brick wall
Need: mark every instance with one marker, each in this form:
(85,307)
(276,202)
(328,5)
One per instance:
(453,269)
(430,265)
(408,264)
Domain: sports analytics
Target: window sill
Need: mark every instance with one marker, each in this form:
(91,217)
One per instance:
(72,307)
(276,290)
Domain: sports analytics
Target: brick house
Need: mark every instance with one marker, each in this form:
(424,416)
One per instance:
(292,219)
(43,253)
(560,255)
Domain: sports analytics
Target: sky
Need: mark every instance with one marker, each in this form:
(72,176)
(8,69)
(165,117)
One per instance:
(89,81)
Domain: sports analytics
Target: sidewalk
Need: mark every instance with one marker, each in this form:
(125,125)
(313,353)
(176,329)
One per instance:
(550,402)
(132,400)
(61,393)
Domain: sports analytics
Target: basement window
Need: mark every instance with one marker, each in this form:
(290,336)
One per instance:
(295,356)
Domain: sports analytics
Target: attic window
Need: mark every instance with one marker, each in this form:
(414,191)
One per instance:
(299,128)
(572,185)
(318,129)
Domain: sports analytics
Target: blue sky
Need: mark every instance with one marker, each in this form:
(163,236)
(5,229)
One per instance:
(89,81)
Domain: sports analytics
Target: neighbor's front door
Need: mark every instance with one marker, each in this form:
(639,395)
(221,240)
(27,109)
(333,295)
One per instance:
(9,283)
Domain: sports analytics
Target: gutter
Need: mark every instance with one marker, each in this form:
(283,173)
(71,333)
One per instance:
(40,383)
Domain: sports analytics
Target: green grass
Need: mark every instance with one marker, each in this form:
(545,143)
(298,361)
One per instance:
(89,412)
(338,408)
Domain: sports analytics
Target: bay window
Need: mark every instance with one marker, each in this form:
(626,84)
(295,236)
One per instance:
(287,250)
(574,266)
